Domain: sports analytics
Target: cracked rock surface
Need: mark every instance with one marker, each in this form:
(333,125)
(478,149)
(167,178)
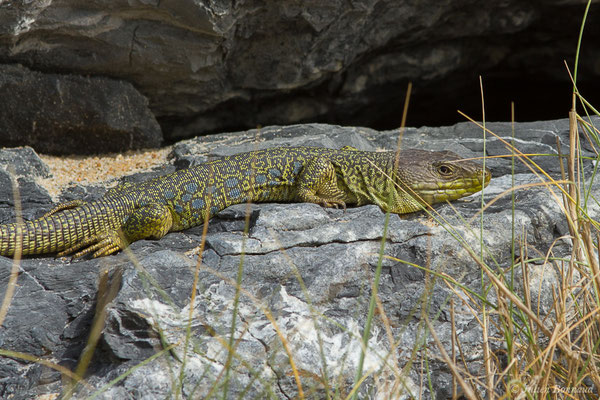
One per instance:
(306,275)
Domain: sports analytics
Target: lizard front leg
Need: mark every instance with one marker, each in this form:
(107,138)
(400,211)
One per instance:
(152,221)
(317,183)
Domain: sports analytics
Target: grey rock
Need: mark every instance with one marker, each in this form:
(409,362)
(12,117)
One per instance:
(211,66)
(128,334)
(25,166)
(198,150)
(49,315)
(66,114)
(307,275)
(23,161)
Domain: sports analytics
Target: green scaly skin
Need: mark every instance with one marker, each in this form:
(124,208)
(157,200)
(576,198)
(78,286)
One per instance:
(331,178)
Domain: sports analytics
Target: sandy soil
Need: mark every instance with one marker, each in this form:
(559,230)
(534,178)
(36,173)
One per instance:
(87,170)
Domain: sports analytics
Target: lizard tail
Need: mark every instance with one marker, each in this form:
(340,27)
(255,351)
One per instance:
(23,236)
(53,233)
(43,235)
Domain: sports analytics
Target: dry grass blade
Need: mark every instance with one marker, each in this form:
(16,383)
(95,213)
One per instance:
(108,289)
(469,391)
(14,272)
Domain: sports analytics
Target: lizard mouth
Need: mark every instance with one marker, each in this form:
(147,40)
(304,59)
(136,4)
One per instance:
(441,191)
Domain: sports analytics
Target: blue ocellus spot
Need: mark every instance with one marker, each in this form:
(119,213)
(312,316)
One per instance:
(214,210)
(178,208)
(261,178)
(169,194)
(235,193)
(297,166)
(191,187)
(231,182)
(198,204)
(274,172)
(186,197)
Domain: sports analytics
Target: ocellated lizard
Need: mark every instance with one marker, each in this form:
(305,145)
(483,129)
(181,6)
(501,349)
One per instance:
(185,198)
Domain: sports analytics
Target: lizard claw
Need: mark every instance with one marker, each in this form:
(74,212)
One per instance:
(331,203)
(99,245)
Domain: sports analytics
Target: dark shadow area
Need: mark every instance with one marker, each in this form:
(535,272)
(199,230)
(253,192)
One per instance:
(534,99)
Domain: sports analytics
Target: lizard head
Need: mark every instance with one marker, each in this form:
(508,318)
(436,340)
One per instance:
(438,176)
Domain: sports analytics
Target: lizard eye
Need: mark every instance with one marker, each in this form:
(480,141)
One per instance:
(445,170)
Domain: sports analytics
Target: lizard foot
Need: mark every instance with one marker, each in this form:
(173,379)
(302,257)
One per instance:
(99,245)
(333,203)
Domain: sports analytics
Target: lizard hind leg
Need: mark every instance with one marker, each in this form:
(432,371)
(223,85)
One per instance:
(152,221)
(64,206)
(317,183)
